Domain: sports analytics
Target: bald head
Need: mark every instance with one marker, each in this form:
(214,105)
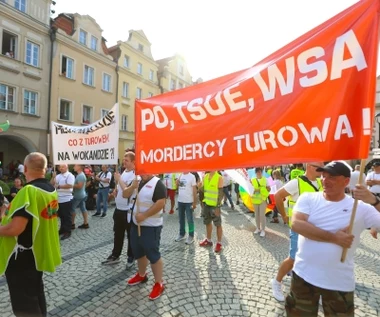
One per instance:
(35,166)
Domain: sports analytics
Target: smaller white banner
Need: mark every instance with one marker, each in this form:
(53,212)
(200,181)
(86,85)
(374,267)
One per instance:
(96,143)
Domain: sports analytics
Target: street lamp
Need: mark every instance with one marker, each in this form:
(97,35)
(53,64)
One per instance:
(377,117)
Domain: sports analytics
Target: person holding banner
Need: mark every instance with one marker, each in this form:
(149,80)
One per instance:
(259,200)
(147,220)
(64,183)
(309,182)
(321,220)
(29,240)
(213,196)
(104,179)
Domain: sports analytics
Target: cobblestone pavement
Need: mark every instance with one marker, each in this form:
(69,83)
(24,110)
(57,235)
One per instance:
(198,281)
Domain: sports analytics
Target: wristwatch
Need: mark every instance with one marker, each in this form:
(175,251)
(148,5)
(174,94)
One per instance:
(377,201)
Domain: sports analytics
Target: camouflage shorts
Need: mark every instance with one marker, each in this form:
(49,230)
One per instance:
(303,300)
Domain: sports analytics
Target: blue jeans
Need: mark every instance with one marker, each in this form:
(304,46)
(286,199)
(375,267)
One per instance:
(185,208)
(102,196)
(228,195)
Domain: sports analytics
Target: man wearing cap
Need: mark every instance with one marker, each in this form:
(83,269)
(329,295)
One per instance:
(373,179)
(321,220)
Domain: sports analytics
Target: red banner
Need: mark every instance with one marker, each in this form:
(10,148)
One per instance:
(312,100)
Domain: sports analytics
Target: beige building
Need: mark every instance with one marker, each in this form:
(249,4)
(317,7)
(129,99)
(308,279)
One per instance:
(137,79)
(24,77)
(173,73)
(84,78)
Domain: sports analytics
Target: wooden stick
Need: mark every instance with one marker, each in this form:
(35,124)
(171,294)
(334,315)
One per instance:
(353,214)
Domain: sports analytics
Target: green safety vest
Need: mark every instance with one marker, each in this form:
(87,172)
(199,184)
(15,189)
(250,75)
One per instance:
(43,207)
(303,187)
(295,173)
(174,181)
(260,184)
(211,189)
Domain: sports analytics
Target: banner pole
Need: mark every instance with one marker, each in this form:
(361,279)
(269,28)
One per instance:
(353,214)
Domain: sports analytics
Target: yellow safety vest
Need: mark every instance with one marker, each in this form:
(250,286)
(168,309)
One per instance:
(295,173)
(259,184)
(303,187)
(211,189)
(174,181)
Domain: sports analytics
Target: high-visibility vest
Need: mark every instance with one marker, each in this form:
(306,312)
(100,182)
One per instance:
(295,173)
(174,183)
(211,189)
(303,187)
(259,184)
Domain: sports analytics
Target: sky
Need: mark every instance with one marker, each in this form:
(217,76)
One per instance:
(216,37)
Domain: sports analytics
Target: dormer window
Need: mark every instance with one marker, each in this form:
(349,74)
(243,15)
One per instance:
(94,43)
(83,37)
(141,48)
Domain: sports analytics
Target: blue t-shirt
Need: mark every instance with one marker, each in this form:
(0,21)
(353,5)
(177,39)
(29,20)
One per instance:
(80,193)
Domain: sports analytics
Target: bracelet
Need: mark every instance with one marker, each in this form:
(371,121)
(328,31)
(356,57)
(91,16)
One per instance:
(377,202)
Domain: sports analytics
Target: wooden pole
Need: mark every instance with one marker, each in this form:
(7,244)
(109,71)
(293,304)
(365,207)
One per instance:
(353,214)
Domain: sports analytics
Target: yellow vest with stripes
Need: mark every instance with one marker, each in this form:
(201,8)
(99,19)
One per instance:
(211,189)
(303,187)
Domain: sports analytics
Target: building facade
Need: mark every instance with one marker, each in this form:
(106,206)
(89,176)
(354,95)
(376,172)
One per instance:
(137,79)
(173,73)
(24,77)
(84,80)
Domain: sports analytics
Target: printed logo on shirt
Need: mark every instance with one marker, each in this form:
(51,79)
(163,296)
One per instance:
(148,186)
(50,211)
(345,210)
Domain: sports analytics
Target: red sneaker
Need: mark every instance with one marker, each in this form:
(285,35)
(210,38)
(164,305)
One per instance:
(171,212)
(218,247)
(205,243)
(137,279)
(157,291)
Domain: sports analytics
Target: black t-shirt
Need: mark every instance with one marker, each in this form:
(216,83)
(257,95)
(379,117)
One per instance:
(25,259)
(159,191)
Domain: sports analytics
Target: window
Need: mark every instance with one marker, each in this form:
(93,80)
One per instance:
(125,89)
(141,47)
(65,110)
(67,67)
(150,94)
(151,75)
(106,82)
(30,102)
(20,5)
(138,93)
(7,95)
(126,61)
(87,115)
(103,113)
(32,54)
(139,68)
(172,84)
(181,69)
(9,44)
(94,43)
(180,85)
(124,122)
(83,37)
(88,77)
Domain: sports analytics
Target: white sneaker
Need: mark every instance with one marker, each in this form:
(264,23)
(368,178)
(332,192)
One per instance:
(179,238)
(262,234)
(257,231)
(277,290)
(189,240)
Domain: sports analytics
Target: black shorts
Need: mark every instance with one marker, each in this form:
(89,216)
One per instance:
(148,244)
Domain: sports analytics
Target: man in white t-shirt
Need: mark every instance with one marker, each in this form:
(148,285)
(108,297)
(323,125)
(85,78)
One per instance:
(64,183)
(308,182)
(123,211)
(373,179)
(321,220)
(227,186)
(104,179)
(187,201)
(354,180)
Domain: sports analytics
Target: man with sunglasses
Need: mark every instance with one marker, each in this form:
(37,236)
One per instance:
(309,182)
